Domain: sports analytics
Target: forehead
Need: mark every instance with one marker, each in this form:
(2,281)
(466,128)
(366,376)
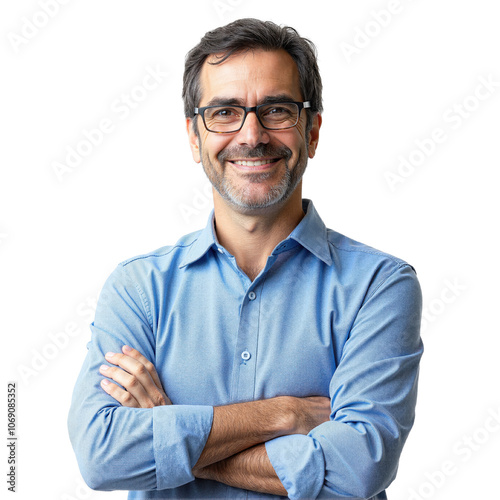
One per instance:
(250,76)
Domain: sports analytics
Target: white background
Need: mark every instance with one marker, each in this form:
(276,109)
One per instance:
(139,189)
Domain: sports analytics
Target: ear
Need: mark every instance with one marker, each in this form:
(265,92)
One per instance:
(314,135)
(194,142)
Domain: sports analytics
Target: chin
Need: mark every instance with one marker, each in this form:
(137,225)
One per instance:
(244,203)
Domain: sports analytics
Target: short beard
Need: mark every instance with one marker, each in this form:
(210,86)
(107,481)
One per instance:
(276,194)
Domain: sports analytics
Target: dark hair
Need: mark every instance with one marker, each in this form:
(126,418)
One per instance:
(252,34)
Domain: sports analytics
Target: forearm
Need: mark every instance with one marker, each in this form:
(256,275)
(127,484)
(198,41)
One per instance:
(240,426)
(249,469)
(154,448)
(232,428)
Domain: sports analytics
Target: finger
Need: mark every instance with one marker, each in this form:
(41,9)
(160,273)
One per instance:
(134,377)
(123,397)
(131,384)
(160,398)
(131,366)
(150,367)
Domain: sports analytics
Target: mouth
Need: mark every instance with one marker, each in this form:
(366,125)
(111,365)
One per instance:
(254,164)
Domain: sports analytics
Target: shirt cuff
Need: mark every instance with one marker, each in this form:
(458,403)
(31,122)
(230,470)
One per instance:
(299,463)
(180,433)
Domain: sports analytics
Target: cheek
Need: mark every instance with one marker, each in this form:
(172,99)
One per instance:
(212,146)
(301,131)
(295,140)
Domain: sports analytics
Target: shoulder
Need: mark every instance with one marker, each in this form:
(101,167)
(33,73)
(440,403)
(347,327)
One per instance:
(362,263)
(162,259)
(344,247)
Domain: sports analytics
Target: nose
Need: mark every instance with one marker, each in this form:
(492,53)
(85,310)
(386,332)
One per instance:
(252,133)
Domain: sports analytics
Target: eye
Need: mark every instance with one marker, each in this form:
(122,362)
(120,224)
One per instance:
(279,115)
(277,110)
(223,113)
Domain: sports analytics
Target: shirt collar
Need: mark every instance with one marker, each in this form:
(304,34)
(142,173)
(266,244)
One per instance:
(311,233)
(205,240)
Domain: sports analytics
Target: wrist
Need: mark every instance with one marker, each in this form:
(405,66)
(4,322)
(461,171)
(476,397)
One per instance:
(286,415)
(208,472)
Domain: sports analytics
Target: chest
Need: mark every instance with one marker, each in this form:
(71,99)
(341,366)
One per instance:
(220,342)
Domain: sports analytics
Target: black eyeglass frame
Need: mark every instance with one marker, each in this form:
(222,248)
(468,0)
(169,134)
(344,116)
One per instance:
(248,109)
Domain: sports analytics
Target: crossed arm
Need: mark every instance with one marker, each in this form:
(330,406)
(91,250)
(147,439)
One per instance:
(234,453)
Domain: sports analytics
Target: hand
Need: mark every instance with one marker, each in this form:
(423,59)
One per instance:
(308,413)
(137,375)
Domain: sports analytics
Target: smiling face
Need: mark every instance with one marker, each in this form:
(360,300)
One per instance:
(253,168)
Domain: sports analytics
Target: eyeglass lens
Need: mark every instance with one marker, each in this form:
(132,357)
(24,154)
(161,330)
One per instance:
(272,116)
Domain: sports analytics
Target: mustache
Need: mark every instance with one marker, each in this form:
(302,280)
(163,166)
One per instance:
(263,150)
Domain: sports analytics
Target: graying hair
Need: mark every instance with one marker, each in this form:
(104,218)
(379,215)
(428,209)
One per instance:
(253,34)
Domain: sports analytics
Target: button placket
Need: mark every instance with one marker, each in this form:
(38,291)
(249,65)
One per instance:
(243,387)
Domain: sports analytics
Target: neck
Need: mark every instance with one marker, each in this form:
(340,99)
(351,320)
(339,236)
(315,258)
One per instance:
(252,236)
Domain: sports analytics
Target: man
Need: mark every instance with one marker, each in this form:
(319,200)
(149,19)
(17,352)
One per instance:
(265,355)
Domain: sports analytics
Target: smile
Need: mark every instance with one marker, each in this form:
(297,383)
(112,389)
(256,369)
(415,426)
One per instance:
(254,163)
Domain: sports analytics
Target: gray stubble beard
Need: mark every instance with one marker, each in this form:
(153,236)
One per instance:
(277,194)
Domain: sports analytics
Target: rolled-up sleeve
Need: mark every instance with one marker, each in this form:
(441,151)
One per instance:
(373,395)
(119,448)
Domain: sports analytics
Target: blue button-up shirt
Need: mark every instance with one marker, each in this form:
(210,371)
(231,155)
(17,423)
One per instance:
(327,316)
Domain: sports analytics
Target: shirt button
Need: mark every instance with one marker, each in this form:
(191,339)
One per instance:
(220,250)
(252,295)
(245,355)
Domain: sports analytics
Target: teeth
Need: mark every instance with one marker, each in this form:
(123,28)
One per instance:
(253,163)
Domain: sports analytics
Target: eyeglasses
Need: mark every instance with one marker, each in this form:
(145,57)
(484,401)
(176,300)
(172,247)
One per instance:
(272,116)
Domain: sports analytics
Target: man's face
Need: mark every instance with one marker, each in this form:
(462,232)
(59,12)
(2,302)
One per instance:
(249,79)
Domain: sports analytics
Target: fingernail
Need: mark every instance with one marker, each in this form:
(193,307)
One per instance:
(105,381)
(104,368)
(109,354)
(127,348)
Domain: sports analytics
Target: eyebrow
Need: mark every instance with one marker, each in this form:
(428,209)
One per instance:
(233,101)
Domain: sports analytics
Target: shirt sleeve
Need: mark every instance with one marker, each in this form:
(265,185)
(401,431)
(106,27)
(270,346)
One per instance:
(373,395)
(120,448)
